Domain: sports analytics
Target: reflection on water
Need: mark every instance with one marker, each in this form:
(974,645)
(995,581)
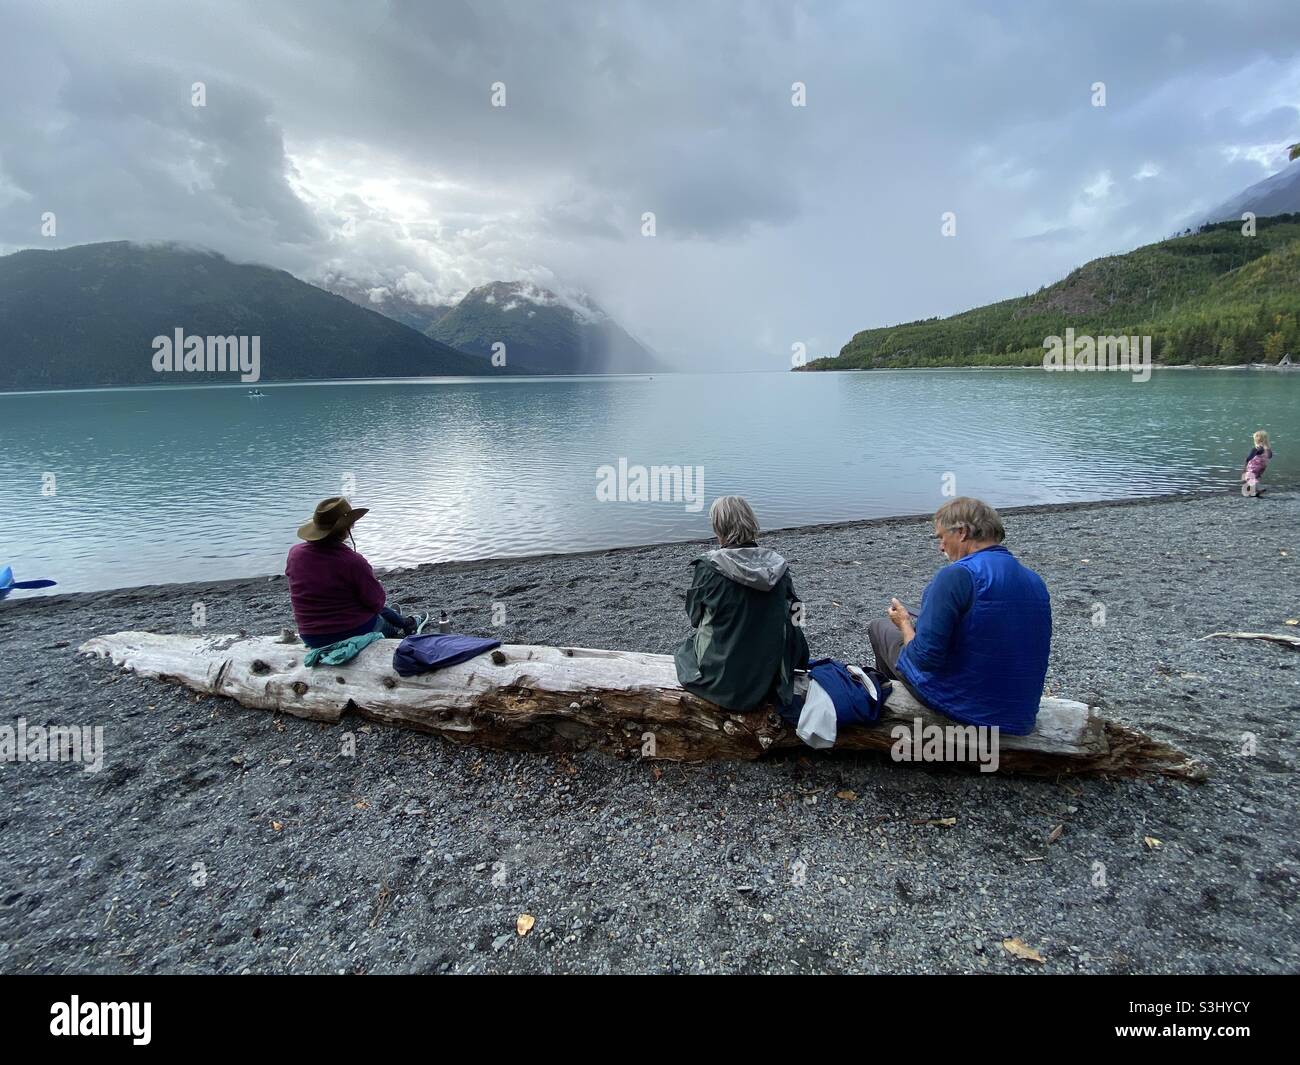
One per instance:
(154,485)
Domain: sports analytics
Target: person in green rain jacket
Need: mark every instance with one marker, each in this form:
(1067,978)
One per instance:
(748,639)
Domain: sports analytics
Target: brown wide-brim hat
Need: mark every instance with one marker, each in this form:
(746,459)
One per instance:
(332,515)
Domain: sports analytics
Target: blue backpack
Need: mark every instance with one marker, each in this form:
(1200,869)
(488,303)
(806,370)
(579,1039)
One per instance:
(856,698)
(856,702)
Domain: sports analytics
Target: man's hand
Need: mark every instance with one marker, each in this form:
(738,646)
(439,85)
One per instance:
(902,620)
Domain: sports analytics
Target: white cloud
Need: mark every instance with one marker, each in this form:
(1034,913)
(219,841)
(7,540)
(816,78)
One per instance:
(1269,157)
(1100,187)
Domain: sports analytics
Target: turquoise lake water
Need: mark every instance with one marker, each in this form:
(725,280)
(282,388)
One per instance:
(139,486)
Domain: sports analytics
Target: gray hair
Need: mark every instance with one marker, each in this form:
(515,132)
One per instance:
(733,521)
(980,520)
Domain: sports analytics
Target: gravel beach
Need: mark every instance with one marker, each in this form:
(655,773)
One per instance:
(219,839)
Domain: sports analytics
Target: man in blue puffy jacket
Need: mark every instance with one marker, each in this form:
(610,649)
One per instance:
(978,650)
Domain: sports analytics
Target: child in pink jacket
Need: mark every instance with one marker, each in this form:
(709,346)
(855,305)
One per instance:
(1256,463)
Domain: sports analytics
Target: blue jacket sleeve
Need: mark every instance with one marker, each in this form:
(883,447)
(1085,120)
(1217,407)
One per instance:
(947,598)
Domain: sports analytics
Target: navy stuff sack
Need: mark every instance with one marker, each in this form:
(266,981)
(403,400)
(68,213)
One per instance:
(423,654)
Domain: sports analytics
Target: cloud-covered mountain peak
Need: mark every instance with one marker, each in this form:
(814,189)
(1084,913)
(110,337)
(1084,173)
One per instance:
(525,295)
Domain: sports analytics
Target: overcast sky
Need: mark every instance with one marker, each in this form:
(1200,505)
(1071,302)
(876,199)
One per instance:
(359,140)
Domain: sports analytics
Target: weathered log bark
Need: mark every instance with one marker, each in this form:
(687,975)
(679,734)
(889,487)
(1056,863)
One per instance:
(528,697)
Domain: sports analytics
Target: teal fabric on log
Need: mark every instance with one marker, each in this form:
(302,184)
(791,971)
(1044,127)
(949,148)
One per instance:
(336,654)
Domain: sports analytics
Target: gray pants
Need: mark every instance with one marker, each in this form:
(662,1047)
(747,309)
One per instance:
(886,645)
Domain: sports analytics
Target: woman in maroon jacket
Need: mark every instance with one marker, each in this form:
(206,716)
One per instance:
(334,591)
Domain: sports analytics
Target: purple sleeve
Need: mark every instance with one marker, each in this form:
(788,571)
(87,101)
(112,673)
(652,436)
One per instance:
(369,590)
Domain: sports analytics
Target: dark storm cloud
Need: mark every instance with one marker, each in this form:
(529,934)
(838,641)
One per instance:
(116,148)
(359,140)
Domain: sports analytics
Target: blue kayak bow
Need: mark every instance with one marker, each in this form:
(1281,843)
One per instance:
(8,584)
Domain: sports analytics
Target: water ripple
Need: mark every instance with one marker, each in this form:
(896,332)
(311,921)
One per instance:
(190,484)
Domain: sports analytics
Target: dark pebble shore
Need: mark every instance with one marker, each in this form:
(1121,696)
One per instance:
(219,839)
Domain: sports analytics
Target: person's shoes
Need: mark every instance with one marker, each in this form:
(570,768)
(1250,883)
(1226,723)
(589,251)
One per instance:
(420,623)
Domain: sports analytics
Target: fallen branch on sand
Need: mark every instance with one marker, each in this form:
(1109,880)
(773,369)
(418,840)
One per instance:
(529,697)
(1283,638)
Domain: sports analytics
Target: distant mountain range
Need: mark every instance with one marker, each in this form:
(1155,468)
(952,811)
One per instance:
(1278,194)
(541,331)
(412,314)
(94,315)
(88,316)
(1212,297)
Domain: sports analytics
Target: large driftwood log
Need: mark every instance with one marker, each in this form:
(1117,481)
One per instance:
(628,704)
